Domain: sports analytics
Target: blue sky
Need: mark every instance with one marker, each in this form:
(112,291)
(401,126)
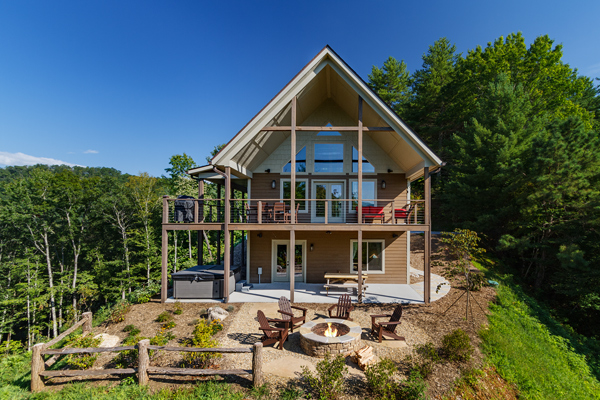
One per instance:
(127,84)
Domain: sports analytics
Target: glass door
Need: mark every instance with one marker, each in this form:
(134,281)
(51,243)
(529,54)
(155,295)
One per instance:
(281,263)
(333,192)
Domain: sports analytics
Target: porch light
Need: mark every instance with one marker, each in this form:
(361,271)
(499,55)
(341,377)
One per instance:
(312,247)
(273,184)
(383,184)
(259,235)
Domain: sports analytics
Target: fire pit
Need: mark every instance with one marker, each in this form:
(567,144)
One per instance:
(330,335)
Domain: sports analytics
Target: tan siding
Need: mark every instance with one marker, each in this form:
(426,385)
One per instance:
(331,254)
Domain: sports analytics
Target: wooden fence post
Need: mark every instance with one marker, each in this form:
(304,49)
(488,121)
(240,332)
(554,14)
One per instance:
(37,366)
(143,362)
(257,375)
(87,325)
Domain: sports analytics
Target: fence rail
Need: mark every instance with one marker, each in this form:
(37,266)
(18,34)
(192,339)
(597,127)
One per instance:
(38,366)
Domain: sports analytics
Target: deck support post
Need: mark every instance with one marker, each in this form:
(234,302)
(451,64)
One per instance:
(292,261)
(360,168)
(427,249)
(164,253)
(200,234)
(226,251)
(359,254)
(293,165)
(220,230)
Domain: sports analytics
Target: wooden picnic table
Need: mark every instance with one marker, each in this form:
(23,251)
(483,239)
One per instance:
(347,281)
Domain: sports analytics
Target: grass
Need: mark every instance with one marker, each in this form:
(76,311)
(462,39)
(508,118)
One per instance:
(532,350)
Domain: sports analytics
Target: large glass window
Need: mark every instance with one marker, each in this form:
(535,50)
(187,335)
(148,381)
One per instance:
(369,192)
(372,256)
(300,193)
(366,165)
(329,157)
(300,162)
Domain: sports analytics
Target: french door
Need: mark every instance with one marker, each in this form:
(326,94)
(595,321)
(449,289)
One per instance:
(281,255)
(333,192)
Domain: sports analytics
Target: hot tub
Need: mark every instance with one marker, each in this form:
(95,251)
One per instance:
(203,282)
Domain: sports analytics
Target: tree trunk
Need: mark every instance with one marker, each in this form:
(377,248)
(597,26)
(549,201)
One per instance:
(28,307)
(50,285)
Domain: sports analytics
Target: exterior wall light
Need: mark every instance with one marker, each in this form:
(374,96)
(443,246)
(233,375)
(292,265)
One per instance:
(273,184)
(383,184)
(312,247)
(259,235)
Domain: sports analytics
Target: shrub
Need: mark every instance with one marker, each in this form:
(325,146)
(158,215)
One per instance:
(164,317)
(202,337)
(380,378)
(413,388)
(423,359)
(178,308)
(13,347)
(129,328)
(456,346)
(143,294)
(119,311)
(230,308)
(169,325)
(128,358)
(327,383)
(82,361)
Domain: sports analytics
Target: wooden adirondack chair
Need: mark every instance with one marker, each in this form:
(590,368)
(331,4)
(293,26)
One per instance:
(272,334)
(342,308)
(381,329)
(279,212)
(287,314)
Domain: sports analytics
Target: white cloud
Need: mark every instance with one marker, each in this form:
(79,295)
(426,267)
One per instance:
(25,159)
(91,152)
(593,70)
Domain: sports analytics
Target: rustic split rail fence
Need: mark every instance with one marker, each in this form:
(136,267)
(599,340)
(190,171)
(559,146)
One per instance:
(38,365)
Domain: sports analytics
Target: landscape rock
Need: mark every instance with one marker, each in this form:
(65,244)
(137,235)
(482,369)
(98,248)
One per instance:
(217,313)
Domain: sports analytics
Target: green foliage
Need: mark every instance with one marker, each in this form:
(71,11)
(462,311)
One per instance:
(164,316)
(202,337)
(230,308)
(413,388)
(456,346)
(143,294)
(128,358)
(380,378)
(291,393)
(177,308)
(12,347)
(169,325)
(392,83)
(423,360)
(261,392)
(119,310)
(328,381)
(82,361)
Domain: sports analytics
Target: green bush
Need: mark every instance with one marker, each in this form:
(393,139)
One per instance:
(13,347)
(128,358)
(230,308)
(423,359)
(413,388)
(202,337)
(82,361)
(456,346)
(119,311)
(380,378)
(133,331)
(178,308)
(164,316)
(328,382)
(143,294)
(169,325)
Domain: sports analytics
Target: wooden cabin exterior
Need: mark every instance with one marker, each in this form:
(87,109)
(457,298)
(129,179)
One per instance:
(333,139)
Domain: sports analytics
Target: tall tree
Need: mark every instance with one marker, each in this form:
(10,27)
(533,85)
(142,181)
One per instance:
(392,82)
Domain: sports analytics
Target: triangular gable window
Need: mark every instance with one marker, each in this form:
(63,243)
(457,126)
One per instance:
(300,162)
(329,133)
(366,165)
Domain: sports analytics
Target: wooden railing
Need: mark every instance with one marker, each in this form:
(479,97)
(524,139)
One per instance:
(38,366)
(309,211)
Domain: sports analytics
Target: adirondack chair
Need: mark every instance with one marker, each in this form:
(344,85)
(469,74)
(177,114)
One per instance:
(342,308)
(381,329)
(287,314)
(279,212)
(272,334)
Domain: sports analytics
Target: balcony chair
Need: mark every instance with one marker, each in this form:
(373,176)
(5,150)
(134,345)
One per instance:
(279,212)
(272,334)
(287,314)
(342,308)
(381,329)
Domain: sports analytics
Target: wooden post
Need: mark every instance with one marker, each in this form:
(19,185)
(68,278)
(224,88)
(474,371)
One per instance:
(165,210)
(143,362)
(292,261)
(220,230)
(326,212)
(200,234)
(226,252)
(259,212)
(163,269)
(257,375)
(359,254)
(293,169)
(427,249)
(360,168)
(37,367)
(87,325)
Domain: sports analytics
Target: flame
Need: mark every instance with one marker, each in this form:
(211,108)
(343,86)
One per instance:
(330,332)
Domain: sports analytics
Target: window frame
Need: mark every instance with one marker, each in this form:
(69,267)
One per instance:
(350,183)
(290,162)
(306,192)
(374,172)
(314,156)
(382,241)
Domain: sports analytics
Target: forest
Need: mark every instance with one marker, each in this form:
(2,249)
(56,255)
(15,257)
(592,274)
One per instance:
(517,127)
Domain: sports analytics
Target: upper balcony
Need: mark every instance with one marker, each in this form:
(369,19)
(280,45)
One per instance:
(310,214)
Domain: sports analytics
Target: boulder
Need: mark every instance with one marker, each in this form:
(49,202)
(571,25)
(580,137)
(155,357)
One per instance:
(217,313)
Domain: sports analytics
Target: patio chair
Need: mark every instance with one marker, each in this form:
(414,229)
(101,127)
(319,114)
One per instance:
(288,213)
(279,212)
(272,334)
(287,314)
(404,214)
(342,308)
(381,329)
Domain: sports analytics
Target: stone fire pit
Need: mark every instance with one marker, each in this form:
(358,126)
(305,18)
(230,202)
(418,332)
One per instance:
(315,344)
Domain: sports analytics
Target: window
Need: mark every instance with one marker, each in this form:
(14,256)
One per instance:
(366,166)
(369,192)
(300,162)
(329,133)
(329,157)
(373,260)
(301,185)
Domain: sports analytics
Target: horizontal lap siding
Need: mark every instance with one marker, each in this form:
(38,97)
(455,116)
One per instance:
(331,254)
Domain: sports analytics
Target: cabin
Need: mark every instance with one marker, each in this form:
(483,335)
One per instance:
(324,171)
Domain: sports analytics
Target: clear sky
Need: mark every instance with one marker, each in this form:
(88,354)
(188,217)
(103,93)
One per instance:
(127,84)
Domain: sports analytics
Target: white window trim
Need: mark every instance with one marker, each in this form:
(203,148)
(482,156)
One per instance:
(343,158)
(351,211)
(382,241)
(290,162)
(352,164)
(306,195)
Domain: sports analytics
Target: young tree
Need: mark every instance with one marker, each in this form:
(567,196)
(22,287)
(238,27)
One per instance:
(392,82)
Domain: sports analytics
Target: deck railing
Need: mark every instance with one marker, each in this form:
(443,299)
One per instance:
(309,211)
